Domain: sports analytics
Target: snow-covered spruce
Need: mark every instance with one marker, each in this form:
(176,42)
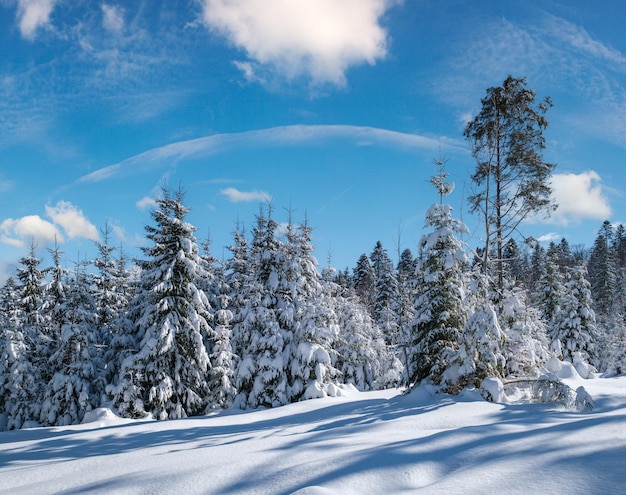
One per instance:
(574,323)
(440,312)
(70,393)
(167,375)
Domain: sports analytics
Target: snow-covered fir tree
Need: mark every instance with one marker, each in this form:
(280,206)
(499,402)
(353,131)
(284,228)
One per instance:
(603,271)
(387,295)
(525,348)
(222,390)
(364,282)
(361,356)
(10,339)
(54,296)
(111,292)
(261,375)
(30,345)
(167,375)
(479,354)
(550,291)
(440,313)
(22,391)
(238,271)
(70,393)
(306,309)
(613,358)
(515,261)
(574,322)
(121,341)
(407,293)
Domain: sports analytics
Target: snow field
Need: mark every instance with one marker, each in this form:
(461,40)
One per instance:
(358,443)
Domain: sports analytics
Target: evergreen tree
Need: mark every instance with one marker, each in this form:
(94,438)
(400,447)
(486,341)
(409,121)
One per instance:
(439,308)
(222,375)
(406,266)
(10,336)
(565,258)
(525,348)
(306,309)
(574,323)
(116,332)
(407,287)
(344,280)
(614,352)
(31,278)
(111,297)
(514,262)
(550,294)
(69,393)
(22,390)
(361,356)
(603,270)
(536,269)
(619,245)
(238,273)
(167,377)
(30,345)
(53,312)
(364,282)
(386,294)
(261,374)
(479,353)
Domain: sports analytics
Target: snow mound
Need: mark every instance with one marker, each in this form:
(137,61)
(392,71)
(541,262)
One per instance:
(103,416)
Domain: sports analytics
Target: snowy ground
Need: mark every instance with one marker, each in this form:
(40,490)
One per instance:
(359,443)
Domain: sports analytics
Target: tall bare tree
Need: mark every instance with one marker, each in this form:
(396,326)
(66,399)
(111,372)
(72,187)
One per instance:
(511,179)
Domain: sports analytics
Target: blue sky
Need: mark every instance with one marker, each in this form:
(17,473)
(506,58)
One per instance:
(334,109)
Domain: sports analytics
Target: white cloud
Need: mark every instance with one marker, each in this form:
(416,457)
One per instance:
(237,196)
(16,232)
(73,221)
(33,14)
(112,18)
(579,197)
(320,39)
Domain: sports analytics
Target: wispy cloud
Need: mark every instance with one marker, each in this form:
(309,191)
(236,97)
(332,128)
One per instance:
(294,38)
(277,136)
(5,184)
(555,55)
(120,57)
(580,40)
(236,196)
